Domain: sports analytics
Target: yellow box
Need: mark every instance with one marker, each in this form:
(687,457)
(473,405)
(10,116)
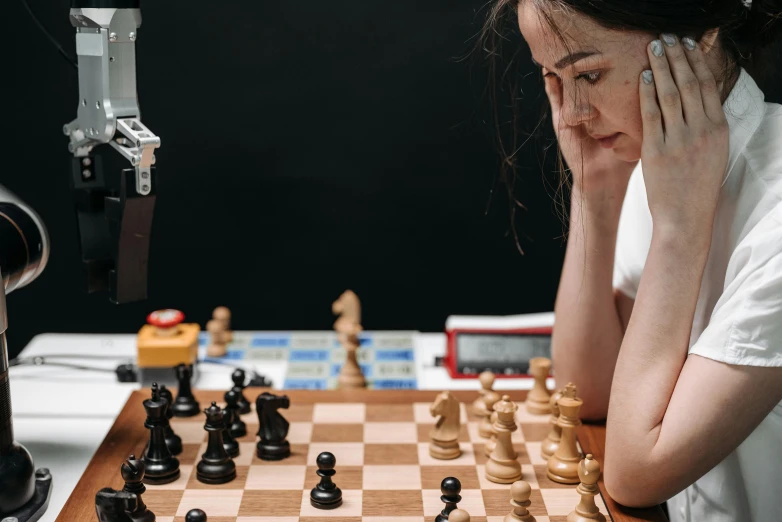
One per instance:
(156,351)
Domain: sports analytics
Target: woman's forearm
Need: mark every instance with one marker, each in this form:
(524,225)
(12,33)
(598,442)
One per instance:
(654,348)
(588,332)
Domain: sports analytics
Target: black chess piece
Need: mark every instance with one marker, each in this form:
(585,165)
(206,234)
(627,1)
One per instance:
(114,506)
(185,404)
(326,495)
(239,377)
(216,466)
(450,487)
(195,515)
(133,474)
(161,466)
(273,428)
(173,441)
(229,443)
(238,427)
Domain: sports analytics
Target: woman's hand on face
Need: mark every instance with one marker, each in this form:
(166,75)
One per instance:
(594,168)
(685,137)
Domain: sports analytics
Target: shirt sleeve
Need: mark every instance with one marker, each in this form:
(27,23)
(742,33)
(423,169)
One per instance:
(745,327)
(634,236)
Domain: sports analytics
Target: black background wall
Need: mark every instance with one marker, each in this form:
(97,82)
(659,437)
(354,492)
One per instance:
(306,147)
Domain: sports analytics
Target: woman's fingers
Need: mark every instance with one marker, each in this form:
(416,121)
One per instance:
(685,80)
(710,95)
(667,93)
(651,115)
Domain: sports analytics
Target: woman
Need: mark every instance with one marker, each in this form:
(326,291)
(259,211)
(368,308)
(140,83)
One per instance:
(669,310)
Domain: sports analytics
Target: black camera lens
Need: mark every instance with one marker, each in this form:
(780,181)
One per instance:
(22,246)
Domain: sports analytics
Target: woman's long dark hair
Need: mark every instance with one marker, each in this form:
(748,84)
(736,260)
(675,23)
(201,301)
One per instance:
(745,32)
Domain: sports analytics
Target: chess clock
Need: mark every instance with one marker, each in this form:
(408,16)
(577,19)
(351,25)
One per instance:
(502,345)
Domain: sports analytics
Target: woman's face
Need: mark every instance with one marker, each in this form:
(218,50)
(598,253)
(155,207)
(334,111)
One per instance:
(599,74)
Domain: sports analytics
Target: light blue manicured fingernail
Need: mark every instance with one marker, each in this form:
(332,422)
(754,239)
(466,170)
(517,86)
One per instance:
(669,39)
(689,43)
(647,76)
(657,48)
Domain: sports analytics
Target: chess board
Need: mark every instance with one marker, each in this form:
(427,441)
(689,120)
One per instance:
(380,440)
(314,358)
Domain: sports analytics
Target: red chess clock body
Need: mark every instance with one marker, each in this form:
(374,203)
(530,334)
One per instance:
(504,351)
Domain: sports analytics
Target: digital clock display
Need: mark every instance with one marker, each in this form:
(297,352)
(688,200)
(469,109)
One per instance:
(502,354)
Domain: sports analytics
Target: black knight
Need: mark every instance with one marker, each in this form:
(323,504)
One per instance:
(273,428)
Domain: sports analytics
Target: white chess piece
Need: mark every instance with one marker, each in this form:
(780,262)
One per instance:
(520,492)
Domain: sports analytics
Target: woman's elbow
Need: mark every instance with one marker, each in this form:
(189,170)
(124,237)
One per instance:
(629,489)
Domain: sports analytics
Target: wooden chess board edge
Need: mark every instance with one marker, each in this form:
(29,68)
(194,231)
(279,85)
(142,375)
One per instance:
(128,435)
(124,438)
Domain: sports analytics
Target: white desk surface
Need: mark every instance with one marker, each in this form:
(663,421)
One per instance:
(62,415)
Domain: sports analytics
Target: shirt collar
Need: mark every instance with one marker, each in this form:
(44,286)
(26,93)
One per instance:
(744,109)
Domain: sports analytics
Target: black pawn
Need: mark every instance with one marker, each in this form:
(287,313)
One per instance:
(195,515)
(326,495)
(238,427)
(215,467)
(185,404)
(133,474)
(229,443)
(238,377)
(173,441)
(450,487)
(161,467)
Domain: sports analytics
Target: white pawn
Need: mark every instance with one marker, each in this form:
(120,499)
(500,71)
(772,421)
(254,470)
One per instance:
(538,397)
(223,315)
(586,510)
(218,342)
(458,515)
(490,398)
(487,382)
(520,492)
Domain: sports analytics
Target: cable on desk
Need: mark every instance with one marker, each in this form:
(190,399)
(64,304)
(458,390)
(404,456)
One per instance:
(256,379)
(40,361)
(124,372)
(17,361)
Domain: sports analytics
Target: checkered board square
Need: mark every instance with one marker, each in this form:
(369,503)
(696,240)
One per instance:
(313,359)
(380,440)
(383,468)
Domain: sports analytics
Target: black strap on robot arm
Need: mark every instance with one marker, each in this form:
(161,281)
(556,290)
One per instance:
(115,223)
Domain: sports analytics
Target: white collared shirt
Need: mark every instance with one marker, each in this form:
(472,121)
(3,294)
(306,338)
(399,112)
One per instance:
(738,316)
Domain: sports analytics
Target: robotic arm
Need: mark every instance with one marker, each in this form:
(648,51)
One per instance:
(114,209)
(24,251)
(114,212)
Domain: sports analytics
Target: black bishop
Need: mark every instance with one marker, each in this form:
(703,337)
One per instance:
(133,474)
